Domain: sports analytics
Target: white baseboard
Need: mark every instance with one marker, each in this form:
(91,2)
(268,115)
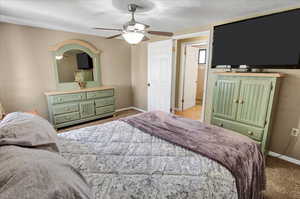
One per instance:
(138,109)
(123,109)
(284,157)
(131,107)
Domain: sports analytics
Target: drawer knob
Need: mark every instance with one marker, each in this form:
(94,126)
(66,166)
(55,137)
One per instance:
(236,101)
(250,133)
(241,101)
(221,125)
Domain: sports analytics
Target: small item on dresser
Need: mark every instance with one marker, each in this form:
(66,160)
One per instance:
(82,85)
(79,78)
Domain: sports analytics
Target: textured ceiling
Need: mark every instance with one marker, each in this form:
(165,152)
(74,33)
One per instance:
(165,15)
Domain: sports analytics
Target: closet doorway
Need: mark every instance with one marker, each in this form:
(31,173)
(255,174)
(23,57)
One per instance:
(191,85)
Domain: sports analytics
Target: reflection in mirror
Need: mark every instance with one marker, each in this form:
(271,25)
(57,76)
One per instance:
(74,65)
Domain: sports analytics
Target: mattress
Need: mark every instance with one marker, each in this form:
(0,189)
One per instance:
(120,161)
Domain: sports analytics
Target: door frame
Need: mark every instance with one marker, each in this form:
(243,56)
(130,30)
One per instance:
(191,35)
(183,67)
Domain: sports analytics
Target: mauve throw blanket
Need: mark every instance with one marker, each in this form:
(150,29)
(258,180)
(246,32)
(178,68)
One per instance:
(238,153)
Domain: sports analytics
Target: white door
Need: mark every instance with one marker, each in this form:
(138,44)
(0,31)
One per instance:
(160,75)
(190,77)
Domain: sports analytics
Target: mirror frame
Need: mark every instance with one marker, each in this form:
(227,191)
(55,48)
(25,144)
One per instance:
(94,53)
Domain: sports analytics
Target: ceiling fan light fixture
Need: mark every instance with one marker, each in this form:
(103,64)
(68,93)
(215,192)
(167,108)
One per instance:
(133,37)
(139,26)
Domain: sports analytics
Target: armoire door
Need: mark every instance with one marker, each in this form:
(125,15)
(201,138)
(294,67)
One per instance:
(87,109)
(253,101)
(226,94)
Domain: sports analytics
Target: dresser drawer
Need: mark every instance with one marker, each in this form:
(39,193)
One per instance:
(105,109)
(104,101)
(252,132)
(99,94)
(66,117)
(58,99)
(65,108)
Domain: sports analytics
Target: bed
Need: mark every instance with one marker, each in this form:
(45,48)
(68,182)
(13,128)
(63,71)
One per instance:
(122,161)
(149,155)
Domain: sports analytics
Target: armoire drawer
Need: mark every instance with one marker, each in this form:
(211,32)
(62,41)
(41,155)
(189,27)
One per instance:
(66,117)
(252,132)
(58,99)
(105,109)
(65,108)
(99,94)
(104,101)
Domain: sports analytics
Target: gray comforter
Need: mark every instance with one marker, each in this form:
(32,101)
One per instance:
(241,155)
(120,161)
(30,166)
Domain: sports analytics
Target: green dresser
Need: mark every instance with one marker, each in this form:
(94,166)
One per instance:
(72,107)
(245,103)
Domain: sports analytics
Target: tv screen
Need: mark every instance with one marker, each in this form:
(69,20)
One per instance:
(84,61)
(271,41)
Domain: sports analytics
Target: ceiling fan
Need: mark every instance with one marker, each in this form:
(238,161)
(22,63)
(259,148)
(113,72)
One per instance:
(134,32)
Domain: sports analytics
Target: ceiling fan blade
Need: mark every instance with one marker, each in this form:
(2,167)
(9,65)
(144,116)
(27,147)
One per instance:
(113,29)
(146,38)
(114,36)
(160,33)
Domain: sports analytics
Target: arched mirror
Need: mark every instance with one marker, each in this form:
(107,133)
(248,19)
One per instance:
(76,65)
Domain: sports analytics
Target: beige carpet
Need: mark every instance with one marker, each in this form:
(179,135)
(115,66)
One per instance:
(283,178)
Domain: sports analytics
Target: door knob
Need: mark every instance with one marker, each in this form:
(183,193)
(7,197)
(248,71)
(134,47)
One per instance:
(148,84)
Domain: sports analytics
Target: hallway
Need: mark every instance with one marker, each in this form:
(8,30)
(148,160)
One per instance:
(192,113)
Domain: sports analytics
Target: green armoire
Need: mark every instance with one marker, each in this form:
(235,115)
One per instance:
(245,103)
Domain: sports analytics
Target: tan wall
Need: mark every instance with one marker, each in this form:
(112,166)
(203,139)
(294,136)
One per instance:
(139,72)
(287,115)
(26,67)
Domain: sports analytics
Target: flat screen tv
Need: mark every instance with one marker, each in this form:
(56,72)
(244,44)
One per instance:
(84,61)
(271,41)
